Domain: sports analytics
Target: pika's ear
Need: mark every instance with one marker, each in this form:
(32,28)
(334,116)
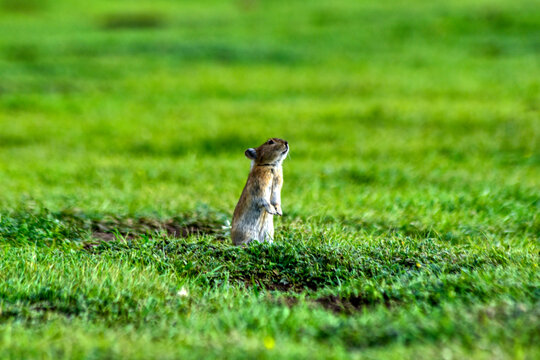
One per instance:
(251,154)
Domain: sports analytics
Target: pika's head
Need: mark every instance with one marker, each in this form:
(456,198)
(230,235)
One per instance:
(272,152)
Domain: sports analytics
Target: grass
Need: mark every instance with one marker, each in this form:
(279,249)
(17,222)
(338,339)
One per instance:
(411,199)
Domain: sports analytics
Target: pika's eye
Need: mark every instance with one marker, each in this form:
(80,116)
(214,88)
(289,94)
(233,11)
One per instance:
(270,142)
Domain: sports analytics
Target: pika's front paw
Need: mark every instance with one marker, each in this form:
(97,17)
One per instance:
(278,210)
(270,209)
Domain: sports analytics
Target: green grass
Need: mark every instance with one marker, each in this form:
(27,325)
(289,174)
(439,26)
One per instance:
(411,200)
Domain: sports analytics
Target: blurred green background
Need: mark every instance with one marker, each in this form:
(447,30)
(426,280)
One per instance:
(410,123)
(149,105)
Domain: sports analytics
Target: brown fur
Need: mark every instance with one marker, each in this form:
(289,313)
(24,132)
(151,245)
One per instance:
(261,197)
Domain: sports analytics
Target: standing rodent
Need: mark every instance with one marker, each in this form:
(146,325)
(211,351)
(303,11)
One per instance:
(261,197)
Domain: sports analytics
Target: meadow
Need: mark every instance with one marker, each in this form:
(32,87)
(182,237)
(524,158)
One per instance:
(411,197)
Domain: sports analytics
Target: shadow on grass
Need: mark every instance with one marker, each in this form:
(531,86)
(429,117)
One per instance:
(224,52)
(134,20)
(23,6)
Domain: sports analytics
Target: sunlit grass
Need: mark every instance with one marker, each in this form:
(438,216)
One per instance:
(411,199)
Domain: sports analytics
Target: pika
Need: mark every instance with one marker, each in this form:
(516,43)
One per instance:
(261,197)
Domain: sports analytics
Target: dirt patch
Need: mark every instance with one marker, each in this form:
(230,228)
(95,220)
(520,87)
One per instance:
(103,236)
(109,228)
(335,303)
(129,228)
(338,304)
(272,286)
(280,287)
(351,304)
(288,301)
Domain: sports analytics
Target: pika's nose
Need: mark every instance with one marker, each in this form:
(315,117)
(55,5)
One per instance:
(287,143)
